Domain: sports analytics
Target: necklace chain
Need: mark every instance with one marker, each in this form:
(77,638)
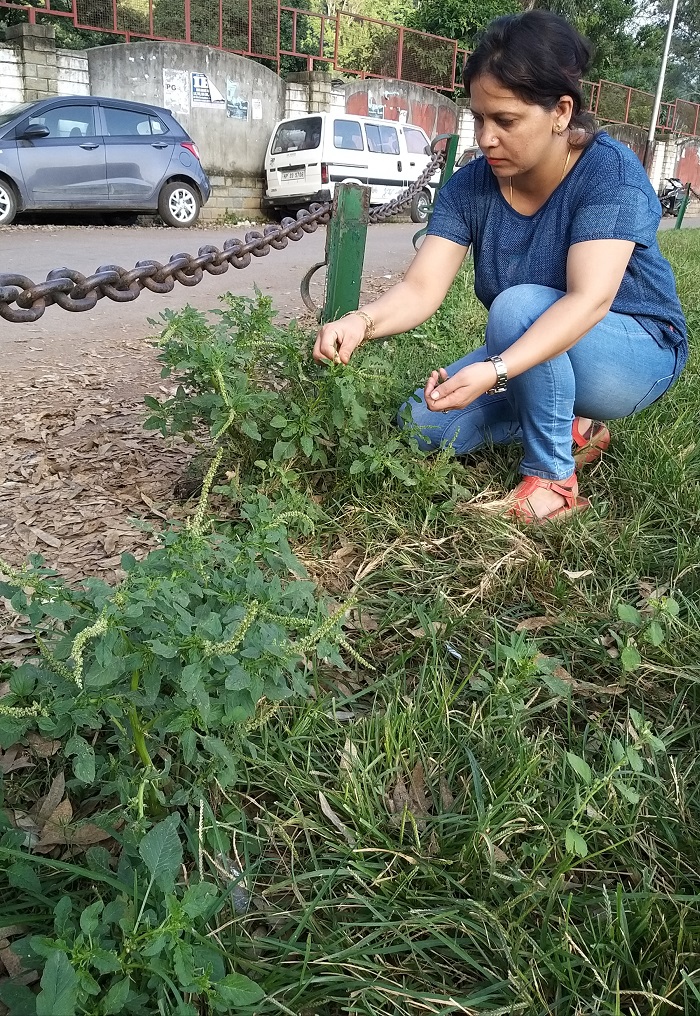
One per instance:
(563,174)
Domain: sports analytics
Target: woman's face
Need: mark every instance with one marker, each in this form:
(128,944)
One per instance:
(515,136)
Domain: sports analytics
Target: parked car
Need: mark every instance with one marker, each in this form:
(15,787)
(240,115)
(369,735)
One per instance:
(89,153)
(307,156)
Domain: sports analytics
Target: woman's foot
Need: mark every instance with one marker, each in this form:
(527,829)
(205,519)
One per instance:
(591,439)
(536,500)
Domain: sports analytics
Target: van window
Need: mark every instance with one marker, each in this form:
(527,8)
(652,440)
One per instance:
(415,140)
(348,134)
(297,135)
(382,139)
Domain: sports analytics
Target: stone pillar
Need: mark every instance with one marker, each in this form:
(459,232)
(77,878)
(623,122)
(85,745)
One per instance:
(465,126)
(320,86)
(668,167)
(657,165)
(36,47)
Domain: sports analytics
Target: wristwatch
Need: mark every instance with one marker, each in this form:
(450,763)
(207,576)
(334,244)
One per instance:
(501,374)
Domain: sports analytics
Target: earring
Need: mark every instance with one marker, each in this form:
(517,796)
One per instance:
(558,128)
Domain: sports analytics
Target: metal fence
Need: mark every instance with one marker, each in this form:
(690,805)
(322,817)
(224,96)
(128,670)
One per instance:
(613,103)
(349,43)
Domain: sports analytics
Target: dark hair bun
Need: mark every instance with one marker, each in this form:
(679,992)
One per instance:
(537,55)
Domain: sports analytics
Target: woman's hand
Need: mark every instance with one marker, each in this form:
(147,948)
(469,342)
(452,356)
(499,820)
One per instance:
(338,340)
(443,393)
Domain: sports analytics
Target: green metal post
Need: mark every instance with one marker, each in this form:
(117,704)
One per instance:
(447,171)
(684,205)
(345,249)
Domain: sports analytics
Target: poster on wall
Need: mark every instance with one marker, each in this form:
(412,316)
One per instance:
(403,115)
(375,110)
(204,91)
(256,109)
(176,92)
(237,107)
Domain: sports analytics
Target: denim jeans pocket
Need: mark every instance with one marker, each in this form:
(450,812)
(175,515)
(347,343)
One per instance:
(658,389)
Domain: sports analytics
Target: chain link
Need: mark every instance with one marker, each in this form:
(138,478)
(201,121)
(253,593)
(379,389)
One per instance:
(22,300)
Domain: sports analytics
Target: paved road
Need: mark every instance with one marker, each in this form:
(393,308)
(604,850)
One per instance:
(63,337)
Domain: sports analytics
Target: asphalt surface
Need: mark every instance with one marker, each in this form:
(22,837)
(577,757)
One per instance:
(62,337)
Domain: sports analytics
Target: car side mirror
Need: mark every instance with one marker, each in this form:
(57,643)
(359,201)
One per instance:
(35,130)
(427,150)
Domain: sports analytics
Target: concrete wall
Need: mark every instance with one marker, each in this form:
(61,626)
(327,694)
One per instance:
(232,135)
(11,78)
(72,72)
(401,100)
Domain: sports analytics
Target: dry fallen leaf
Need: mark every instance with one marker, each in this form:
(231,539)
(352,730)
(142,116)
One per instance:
(11,962)
(330,814)
(42,746)
(44,809)
(54,831)
(574,575)
(535,623)
(14,758)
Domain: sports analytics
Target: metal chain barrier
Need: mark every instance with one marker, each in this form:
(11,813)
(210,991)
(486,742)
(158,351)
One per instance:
(22,300)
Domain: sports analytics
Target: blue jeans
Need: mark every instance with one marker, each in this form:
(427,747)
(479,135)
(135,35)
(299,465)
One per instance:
(615,370)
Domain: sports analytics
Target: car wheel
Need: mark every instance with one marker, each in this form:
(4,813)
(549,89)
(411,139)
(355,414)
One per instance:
(419,207)
(179,204)
(8,203)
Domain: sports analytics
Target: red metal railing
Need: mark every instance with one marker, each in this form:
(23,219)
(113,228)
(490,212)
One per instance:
(350,43)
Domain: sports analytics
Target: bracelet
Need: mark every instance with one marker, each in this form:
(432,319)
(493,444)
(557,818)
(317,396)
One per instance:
(369,324)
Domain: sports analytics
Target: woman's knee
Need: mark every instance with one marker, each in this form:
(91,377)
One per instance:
(513,311)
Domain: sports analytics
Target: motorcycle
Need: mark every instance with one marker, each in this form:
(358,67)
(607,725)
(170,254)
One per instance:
(671,196)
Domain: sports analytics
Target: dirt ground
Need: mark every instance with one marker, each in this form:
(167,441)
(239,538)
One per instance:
(79,476)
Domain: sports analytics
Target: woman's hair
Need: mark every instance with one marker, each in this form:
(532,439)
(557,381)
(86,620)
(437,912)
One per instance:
(538,56)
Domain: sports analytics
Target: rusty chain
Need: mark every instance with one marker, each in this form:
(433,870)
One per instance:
(22,300)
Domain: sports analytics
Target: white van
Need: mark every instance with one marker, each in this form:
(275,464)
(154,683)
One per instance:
(308,155)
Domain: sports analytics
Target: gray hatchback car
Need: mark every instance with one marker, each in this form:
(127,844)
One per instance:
(88,153)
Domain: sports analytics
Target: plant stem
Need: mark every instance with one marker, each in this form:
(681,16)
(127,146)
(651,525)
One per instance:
(137,729)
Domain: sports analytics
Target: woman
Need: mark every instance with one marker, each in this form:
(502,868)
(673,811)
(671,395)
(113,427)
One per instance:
(584,322)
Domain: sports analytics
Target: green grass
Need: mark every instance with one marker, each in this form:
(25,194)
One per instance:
(497,814)
(444,884)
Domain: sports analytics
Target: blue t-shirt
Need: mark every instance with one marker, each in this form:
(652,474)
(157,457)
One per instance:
(606,196)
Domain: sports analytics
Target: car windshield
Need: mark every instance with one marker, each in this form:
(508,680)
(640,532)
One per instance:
(14,111)
(297,135)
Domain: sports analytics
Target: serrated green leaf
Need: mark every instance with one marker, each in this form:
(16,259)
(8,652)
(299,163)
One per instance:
(634,759)
(237,989)
(670,606)
(161,649)
(630,658)
(279,422)
(198,898)
(60,610)
(579,766)
(624,791)
(307,444)
(59,987)
(188,746)
(23,876)
(116,997)
(18,998)
(629,614)
(161,852)
(575,843)
(90,917)
(84,761)
(249,427)
(655,634)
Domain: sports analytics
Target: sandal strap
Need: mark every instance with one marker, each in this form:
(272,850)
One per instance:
(568,489)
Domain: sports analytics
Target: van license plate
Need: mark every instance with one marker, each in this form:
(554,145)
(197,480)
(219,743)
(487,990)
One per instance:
(293,174)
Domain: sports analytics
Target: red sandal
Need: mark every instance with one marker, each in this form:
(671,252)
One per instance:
(592,444)
(522,510)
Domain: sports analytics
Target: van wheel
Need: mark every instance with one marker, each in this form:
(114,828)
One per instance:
(8,203)
(419,207)
(179,204)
